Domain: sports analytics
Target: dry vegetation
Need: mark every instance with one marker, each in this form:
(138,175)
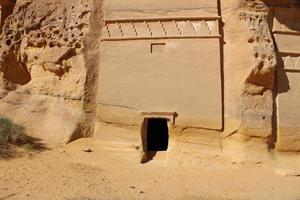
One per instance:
(14,140)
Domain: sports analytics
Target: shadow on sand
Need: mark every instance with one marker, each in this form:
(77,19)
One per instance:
(15,150)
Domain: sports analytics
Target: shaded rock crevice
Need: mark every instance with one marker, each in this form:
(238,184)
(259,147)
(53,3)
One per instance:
(92,58)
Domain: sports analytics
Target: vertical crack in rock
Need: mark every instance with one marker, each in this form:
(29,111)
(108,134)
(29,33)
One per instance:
(92,59)
(257,97)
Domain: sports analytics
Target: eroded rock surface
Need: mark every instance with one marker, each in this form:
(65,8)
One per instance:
(214,65)
(42,56)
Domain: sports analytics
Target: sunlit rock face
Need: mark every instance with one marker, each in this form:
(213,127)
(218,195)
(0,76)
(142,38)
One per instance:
(217,70)
(43,65)
(268,100)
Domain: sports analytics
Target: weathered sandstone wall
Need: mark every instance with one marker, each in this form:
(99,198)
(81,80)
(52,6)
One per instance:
(45,66)
(228,69)
(266,108)
(252,60)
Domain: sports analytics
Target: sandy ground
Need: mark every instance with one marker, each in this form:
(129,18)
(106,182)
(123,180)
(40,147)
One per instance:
(112,172)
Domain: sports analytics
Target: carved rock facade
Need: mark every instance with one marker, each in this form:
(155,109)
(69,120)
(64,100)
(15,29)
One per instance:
(222,73)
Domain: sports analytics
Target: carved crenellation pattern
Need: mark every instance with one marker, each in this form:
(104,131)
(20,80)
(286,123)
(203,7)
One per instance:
(149,28)
(291,62)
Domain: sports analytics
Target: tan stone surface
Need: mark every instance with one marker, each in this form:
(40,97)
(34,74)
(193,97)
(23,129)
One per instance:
(153,8)
(43,66)
(80,66)
(222,74)
(287,35)
(180,83)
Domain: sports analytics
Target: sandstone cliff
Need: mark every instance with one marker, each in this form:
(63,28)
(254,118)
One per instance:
(44,65)
(51,77)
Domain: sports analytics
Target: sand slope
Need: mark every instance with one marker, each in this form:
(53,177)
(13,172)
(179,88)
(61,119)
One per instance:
(112,172)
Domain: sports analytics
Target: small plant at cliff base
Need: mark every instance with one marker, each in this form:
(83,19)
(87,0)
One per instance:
(11,135)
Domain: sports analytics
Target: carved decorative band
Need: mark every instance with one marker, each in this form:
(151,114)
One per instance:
(291,62)
(161,28)
(161,19)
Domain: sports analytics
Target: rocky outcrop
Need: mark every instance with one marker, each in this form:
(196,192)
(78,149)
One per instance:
(50,75)
(43,36)
(43,55)
(259,123)
(6,9)
(257,95)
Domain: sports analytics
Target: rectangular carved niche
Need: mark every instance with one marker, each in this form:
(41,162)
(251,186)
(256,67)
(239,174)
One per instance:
(157,47)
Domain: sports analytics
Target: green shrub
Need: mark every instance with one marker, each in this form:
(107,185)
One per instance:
(11,133)
(14,135)
(5,126)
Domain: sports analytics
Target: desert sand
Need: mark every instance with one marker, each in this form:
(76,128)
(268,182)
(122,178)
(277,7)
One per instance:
(220,77)
(112,172)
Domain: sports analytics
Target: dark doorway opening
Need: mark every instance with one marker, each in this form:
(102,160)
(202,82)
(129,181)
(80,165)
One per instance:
(157,134)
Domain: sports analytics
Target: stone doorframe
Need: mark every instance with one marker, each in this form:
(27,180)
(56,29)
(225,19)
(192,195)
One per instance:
(146,156)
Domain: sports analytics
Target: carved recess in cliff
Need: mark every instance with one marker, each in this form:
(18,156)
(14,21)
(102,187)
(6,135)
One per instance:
(46,37)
